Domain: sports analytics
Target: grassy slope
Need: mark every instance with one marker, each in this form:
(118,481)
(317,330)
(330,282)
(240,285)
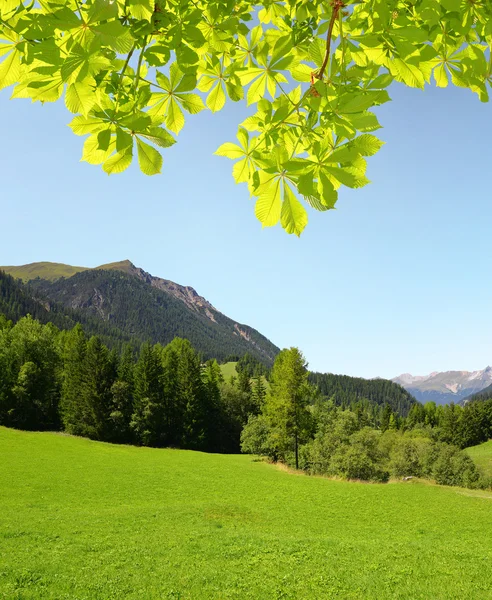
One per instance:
(44,270)
(228,370)
(81,519)
(53,271)
(482,455)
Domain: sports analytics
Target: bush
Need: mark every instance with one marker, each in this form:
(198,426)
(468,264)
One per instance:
(454,467)
(255,436)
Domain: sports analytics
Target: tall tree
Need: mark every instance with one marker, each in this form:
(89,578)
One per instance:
(148,415)
(286,401)
(122,397)
(99,376)
(34,365)
(73,356)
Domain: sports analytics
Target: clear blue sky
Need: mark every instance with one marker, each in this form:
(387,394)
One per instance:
(396,279)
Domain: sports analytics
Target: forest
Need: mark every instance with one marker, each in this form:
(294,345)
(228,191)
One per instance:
(166,396)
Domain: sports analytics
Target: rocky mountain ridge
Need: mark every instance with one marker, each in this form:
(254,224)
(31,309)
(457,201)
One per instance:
(446,387)
(143,306)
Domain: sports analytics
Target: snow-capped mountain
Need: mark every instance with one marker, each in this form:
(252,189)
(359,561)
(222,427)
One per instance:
(446,387)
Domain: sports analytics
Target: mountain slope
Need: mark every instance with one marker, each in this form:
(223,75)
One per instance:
(346,390)
(446,387)
(485,394)
(18,300)
(137,305)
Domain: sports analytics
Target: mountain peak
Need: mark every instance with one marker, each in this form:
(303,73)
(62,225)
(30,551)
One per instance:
(445,387)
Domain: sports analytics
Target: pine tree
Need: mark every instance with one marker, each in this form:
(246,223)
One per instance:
(173,402)
(73,354)
(148,415)
(259,392)
(122,397)
(98,378)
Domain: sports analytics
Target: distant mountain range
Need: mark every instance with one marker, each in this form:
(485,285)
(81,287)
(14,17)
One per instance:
(446,387)
(122,302)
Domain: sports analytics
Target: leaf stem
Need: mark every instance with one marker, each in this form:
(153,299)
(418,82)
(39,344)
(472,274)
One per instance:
(123,73)
(139,65)
(342,44)
(336,6)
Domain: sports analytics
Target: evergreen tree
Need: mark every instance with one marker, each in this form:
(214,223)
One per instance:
(148,417)
(73,355)
(258,392)
(96,397)
(122,397)
(386,417)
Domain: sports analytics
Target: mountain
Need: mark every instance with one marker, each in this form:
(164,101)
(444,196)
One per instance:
(133,304)
(485,394)
(446,387)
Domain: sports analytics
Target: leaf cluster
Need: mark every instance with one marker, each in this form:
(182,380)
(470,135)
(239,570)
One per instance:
(313,71)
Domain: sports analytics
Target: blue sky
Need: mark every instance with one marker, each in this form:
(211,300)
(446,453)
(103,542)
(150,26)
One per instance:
(396,279)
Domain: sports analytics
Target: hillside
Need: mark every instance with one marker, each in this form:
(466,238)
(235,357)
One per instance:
(83,519)
(482,456)
(445,387)
(45,270)
(484,394)
(138,306)
(347,391)
(18,300)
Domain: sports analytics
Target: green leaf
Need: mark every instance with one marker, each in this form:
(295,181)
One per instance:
(440,76)
(256,90)
(174,117)
(79,97)
(119,162)
(92,154)
(159,137)
(142,9)
(149,159)
(191,103)
(216,99)
(230,150)
(10,69)
(83,125)
(269,204)
(367,144)
(407,73)
(293,216)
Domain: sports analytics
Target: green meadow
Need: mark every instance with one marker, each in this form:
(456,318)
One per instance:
(228,370)
(482,455)
(88,520)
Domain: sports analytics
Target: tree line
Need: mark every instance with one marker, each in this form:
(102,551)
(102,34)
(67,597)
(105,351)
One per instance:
(300,426)
(167,396)
(52,379)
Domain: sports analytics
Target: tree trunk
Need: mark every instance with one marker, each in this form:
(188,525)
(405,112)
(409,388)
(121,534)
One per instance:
(297,451)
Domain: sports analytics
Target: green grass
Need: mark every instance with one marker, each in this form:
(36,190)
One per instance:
(45,270)
(482,455)
(53,271)
(228,370)
(86,520)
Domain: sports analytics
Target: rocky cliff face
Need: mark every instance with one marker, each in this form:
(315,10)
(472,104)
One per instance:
(140,305)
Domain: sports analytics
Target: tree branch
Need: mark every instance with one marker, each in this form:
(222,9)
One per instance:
(336,5)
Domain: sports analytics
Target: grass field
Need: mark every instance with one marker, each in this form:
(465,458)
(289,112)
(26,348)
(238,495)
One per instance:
(86,520)
(228,370)
(482,455)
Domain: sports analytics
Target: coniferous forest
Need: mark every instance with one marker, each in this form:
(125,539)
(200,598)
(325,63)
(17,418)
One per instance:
(167,396)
